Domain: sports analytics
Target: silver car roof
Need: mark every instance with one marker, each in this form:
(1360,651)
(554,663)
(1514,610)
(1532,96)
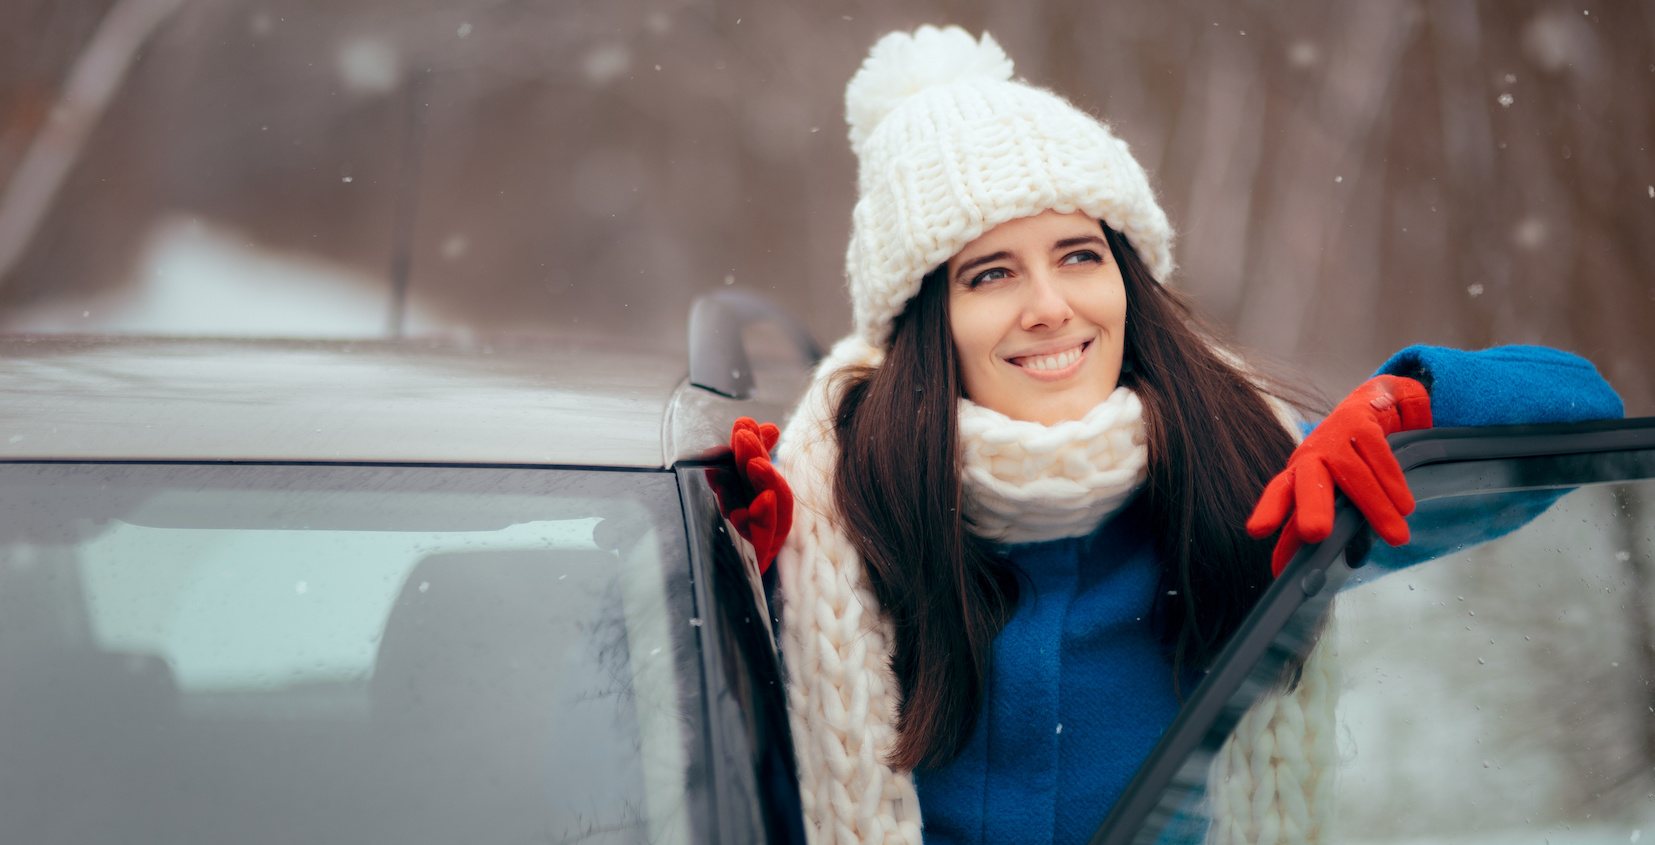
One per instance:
(553,403)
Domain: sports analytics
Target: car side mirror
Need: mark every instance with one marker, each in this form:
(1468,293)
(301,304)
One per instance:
(718,356)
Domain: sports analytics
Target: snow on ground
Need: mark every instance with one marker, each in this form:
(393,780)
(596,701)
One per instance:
(197,279)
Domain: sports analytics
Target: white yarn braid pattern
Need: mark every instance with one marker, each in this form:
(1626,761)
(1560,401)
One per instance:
(1273,781)
(837,645)
(1028,483)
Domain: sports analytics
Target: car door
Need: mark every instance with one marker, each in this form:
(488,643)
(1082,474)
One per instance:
(1501,689)
(748,745)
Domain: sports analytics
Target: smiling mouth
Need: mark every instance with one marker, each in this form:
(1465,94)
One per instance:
(1054,361)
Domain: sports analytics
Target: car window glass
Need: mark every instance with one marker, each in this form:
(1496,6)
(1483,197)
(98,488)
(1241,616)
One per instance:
(1493,690)
(1501,692)
(234,609)
(279,654)
(1505,692)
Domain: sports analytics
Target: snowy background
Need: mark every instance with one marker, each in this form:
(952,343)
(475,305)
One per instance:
(1346,177)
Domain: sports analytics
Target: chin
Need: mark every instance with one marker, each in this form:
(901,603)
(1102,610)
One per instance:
(1052,410)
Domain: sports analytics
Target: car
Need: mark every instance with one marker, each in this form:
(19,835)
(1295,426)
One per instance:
(414,591)
(401,592)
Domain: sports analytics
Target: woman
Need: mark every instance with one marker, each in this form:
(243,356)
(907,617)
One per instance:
(1023,483)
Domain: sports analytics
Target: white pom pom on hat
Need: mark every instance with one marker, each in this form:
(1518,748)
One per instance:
(902,65)
(950,146)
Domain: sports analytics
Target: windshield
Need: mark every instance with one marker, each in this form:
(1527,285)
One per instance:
(194,654)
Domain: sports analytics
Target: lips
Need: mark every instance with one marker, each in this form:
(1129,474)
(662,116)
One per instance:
(1052,361)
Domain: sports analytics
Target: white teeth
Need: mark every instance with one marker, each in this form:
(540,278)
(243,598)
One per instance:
(1053,362)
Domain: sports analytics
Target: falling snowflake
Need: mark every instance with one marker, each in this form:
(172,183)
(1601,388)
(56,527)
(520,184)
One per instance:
(1506,100)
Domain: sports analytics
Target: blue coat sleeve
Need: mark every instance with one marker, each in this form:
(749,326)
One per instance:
(1505,385)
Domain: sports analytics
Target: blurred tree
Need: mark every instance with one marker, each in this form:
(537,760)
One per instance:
(1348,177)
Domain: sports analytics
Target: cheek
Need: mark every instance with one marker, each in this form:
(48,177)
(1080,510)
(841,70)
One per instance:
(976,333)
(1108,311)
(965,322)
(1118,328)
(1105,305)
(1117,307)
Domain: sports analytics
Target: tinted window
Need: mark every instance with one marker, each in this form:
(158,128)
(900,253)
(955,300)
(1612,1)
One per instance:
(343,654)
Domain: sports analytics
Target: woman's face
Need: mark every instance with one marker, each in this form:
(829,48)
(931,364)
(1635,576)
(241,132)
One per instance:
(1038,312)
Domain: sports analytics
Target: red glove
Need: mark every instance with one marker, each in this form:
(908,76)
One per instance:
(758,502)
(1347,449)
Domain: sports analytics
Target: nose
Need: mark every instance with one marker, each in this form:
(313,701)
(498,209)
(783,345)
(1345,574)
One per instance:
(1045,306)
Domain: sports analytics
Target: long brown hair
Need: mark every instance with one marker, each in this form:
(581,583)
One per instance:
(1213,444)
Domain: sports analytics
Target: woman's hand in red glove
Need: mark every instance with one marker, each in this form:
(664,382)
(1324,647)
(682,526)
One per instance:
(1349,450)
(759,503)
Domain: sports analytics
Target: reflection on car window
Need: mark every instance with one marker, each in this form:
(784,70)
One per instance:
(1504,692)
(280,654)
(1500,692)
(241,609)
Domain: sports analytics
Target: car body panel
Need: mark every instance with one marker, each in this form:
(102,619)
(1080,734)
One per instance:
(698,420)
(206,400)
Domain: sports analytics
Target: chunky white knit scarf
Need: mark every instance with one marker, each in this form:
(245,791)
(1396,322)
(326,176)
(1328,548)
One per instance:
(1025,482)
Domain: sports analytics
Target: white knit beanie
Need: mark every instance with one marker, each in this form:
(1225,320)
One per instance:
(950,147)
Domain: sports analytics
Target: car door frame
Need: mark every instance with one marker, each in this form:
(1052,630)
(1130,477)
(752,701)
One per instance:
(747,787)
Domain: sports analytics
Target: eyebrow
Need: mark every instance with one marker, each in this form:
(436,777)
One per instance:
(1083,239)
(980,261)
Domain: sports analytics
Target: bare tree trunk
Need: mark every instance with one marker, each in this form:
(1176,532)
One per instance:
(1479,254)
(1229,96)
(1317,174)
(97,74)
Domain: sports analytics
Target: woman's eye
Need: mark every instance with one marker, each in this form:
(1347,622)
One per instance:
(1082,256)
(994,275)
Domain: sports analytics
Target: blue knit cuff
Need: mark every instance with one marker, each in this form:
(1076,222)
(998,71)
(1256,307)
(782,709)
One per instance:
(1507,385)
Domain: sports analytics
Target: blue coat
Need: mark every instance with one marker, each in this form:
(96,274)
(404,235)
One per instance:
(1081,689)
